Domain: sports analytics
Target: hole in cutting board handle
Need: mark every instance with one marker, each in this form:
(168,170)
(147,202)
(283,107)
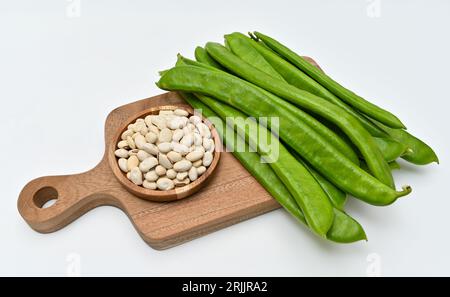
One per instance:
(45,197)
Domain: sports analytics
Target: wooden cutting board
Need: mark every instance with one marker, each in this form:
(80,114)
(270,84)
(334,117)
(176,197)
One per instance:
(231,195)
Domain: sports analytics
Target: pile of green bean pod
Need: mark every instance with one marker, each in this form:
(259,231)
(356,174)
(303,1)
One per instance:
(344,229)
(319,141)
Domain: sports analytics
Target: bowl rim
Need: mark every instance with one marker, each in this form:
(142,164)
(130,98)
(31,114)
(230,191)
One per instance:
(159,195)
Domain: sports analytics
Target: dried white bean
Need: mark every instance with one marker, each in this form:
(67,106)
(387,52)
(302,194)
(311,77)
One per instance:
(190,126)
(181,112)
(123,164)
(201,170)
(165,147)
(177,135)
(182,175)
(187,140)
(164,184)
(142,155)
(122,144)
(151,176)
(151,148)
(149,185)
(139,126)
(165,135)
(185,121)
(194,156)
(212,147)
(133,152)
(197,139)
(144,130)
(207,143)
(165,112)
(164,161)
(151,137)
(180,148)
(131,143)
(153,129)
(193,175)
(186,131)
(203,129)
(175,123)
(140,141)
(207,159)
(121,153)
(148,164)
(181,183)
(199,148)
(159,122)
(183,165)
(171,173)
(127,133)
(174,156)
(195,119)
(160,170)
(136,176)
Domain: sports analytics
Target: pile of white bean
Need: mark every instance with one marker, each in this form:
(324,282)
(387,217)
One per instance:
(165,151)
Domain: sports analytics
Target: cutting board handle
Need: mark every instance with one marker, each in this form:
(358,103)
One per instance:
(73,196)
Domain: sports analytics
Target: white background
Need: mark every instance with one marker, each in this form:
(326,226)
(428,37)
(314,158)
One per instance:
(61,73)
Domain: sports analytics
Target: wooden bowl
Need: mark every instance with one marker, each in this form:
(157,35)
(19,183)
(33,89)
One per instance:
(157,195)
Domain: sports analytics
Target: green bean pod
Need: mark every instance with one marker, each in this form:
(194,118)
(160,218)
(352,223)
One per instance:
(337,197)
(342,226)
(253,101)
(202,56)
(324,131)
(418,152)
(241,44)
(394,165)
(241,48)
(346,95)
(344,229)
(390,148)
(299,79)
(301,184)
(338,116)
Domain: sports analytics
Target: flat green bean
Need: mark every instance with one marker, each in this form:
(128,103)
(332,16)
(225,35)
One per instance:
(337,197)
(308,194)
(202,56)
(394,165)
(299,79)
(244,50)
(344,229)
(253,101)
(418,152)
(320,128)
(346,95)
(390,148)
(317,105)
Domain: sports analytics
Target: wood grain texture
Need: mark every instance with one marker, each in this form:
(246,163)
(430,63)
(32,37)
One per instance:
(231,195)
